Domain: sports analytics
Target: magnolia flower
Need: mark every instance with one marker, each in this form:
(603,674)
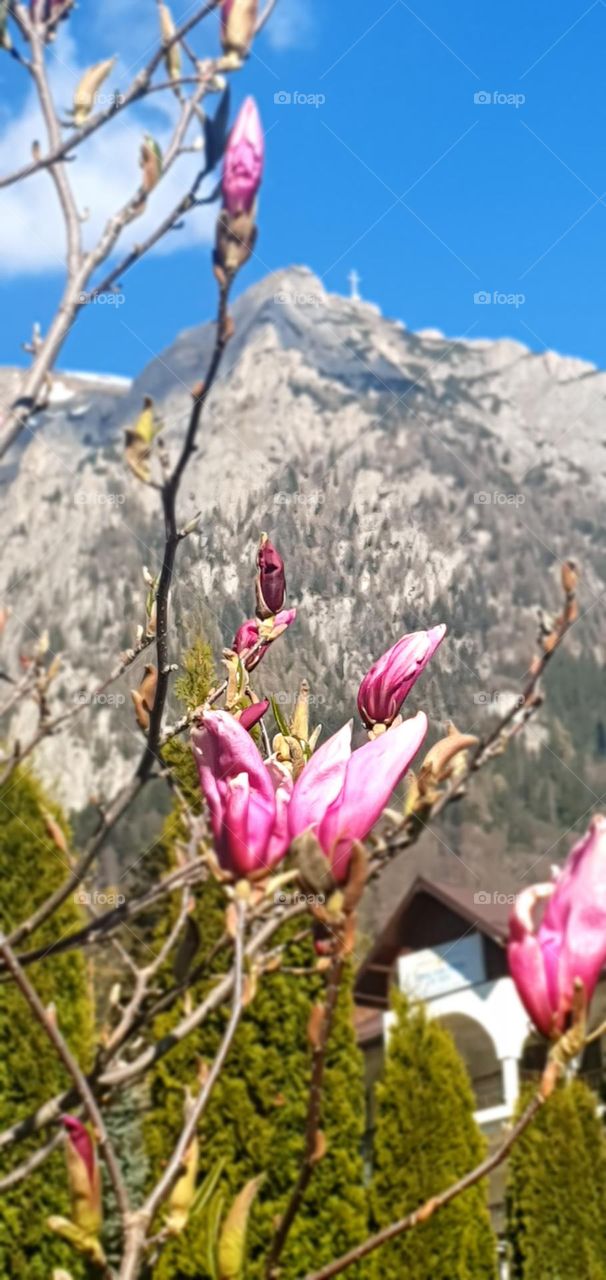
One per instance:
(83,1176)
(243,162)
(271,580)
(340,795)
(247,799)
(569,944)
(252,632)
(390,679)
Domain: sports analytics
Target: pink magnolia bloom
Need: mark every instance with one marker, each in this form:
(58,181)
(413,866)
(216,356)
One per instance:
(249,634)
(341,794)
(390,679)
(243,163)
(570,941)
(271,580)
(83,1174)
(247,799)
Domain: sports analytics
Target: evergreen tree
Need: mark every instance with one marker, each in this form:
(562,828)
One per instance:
(31,867)
(255,1121)
(556,1190)
(425,1139)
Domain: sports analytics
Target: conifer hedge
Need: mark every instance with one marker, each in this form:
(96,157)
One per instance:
(31,866)
(556,1190)
(425,1139)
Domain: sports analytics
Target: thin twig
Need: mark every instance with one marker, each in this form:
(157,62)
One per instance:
(144,1216)
(73,1069)
(312,1125)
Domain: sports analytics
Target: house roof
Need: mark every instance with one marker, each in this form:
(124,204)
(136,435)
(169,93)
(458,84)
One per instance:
(429,913)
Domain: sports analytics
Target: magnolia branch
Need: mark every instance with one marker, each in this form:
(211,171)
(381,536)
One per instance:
(150,756)
(311,1153)
(142,1219)
(430,806)
(170,491)
(115,1078)
(140,86)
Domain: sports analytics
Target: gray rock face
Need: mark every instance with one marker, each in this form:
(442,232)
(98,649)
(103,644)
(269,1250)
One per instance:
(408,479)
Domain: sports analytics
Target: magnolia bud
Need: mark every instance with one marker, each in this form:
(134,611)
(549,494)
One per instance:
(83,1176)
(184,1191)
(242,174)
(238,22)
(271,580)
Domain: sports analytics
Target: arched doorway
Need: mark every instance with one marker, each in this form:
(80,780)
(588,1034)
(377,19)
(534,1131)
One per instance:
(477,1050)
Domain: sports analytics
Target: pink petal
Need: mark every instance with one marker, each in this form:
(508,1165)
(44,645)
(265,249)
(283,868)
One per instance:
(320,782)
(373,772)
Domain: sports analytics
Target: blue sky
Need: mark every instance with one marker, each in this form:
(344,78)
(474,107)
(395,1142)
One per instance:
(432,195)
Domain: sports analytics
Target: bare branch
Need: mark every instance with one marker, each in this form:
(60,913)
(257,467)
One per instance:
(312,1125)
(74,1070)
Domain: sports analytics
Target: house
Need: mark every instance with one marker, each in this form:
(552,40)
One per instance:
(446,946)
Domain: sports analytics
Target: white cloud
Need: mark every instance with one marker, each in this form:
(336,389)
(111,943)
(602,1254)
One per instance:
(105,174)
(291,24)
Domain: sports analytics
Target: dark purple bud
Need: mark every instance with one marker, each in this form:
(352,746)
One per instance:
(271,580)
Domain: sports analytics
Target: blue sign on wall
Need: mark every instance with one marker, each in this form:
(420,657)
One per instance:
(436,971)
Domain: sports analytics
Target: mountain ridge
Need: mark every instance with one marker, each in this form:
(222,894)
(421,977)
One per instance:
(408,479)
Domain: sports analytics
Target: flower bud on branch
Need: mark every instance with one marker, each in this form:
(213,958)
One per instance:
(238,22)
(242,175)
(568,948)
(391,678)
(253,638)
(270,582)
(85,1193)
(247,799)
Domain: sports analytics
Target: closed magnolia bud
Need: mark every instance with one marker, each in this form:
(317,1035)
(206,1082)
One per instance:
(569,577)
(151,161)
(235,240)
(390,679)
(83,1176)
(184,1191)
(299,725)
(271,580)
(238,23)
(244,159)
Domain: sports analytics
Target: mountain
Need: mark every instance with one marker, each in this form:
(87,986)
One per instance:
(407,478)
